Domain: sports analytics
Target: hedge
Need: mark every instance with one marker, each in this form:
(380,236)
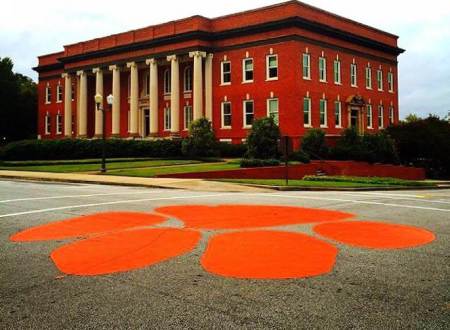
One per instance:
(254,162)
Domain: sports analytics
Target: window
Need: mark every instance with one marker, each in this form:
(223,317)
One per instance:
(307,112)
(188,116)
(146,84)
(167,119)
(322,69)
(338,114)
(226,73)
(369,116)
(391,115)
(337,71)
(380,80)
(353,80)
(272,67)
(48,94)
(48,124)
(59,93)
(226,114)
(167,82)
(249,114)
(188,79)
(59,124)
(368,77)
(272,110)
(306,66)
(323,113)
(391,82)
(248,70)
(380,116)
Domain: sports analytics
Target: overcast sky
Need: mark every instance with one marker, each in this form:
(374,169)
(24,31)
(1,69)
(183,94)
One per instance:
(32,28)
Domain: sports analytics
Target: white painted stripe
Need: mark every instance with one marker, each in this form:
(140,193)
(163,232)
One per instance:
(109,203)
(421,199)
(77,196)
(390,194)
(357,202)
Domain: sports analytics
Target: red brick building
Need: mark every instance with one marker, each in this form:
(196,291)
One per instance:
(302,65)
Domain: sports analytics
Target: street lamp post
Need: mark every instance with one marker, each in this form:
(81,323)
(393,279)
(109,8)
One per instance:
(99,107)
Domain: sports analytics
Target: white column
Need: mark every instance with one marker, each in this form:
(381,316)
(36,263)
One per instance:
(198,83)
(134,98)
(153,96)
(174,96)
(99,90)
(67,105)
(208,86)
(82,120)
(116,103)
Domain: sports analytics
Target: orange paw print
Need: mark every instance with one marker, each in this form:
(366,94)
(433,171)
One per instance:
(241,247)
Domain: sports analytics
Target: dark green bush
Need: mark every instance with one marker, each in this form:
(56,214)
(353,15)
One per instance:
(80,149)
(300,156)
(254,162)
(314,144)
(262,142)
(228,150)
(201,141)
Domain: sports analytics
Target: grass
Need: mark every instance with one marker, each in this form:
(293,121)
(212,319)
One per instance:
(335,182)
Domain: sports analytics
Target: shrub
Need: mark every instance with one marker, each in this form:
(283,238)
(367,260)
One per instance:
(254,162)
(314,145)
(300,156)
(262,142)
(201,141)
(228,150)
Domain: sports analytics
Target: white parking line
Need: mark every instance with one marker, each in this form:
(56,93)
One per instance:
(356,202)
(110,203)
(392,196)
(76,196)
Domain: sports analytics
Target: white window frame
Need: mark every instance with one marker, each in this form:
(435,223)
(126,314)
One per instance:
(325,113)
(222,115)
(48,124)
(338,106)
(268,57)
(391,82)
(167,119)
(391,115)
(380,80)
(323,70)
(187,119)
(369,116)
(187,79)
(146,84)
(308,101)
(244,71)
(59,124)
(353,75)
(167,82)
(368,77)
(277,113)
(48,94)
(380,116)
(244,112)
(223,72)
(306,65)
(337,72)
(59,93)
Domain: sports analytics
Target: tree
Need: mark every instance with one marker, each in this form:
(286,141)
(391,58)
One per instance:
(201,141)
(18,104)
(262,142)
(314,144)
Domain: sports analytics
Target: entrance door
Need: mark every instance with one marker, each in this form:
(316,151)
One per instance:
(354,118)
(146,122)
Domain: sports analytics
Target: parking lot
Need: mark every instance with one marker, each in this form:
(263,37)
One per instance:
(367,288)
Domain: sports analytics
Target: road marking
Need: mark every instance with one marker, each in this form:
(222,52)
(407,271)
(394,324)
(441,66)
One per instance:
(422,200)
(75,196)
(110,203)
(357,202)
(387,194)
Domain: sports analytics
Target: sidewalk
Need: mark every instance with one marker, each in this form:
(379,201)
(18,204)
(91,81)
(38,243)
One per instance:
(190,184)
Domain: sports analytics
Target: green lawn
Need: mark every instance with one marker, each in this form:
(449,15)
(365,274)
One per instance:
(91,165)
(154,171)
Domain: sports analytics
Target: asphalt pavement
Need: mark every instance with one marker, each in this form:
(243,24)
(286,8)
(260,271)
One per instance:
(367,289)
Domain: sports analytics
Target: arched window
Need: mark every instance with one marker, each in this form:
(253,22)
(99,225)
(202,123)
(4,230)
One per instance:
(167,82)
(188,79)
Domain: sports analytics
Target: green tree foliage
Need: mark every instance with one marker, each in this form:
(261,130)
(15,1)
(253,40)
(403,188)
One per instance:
(18,104)
(426,143)
(314,144)
(262,142)
(201,141)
